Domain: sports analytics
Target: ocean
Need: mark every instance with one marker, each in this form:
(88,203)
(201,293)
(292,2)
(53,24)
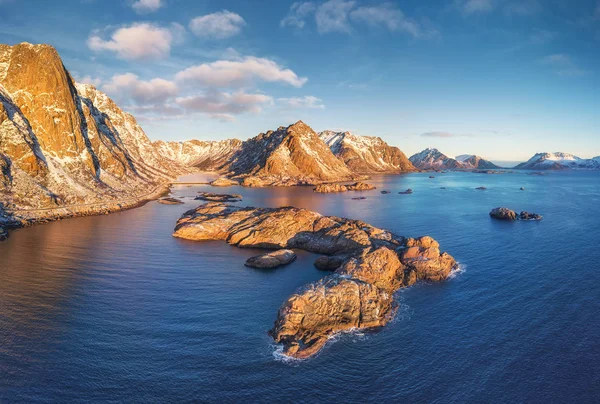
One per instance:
(114,309)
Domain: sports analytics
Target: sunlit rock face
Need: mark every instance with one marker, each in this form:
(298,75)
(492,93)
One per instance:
(63,143)
(290,155)
(366,154)
(370,264)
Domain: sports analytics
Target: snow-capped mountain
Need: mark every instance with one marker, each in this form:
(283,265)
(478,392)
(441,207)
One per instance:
(559,161)
(288,156)
(366,154)
(433,159)
(471,161)
(63,143)
(204,155)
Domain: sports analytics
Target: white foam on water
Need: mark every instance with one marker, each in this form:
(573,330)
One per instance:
(460,268)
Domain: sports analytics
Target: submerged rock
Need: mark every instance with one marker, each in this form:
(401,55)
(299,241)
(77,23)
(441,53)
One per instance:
(272,259)
(407,192)
(224,182)
(170,201)
(3,233)
(385,192)
(212,197)
(359,198)
(481,188)
(370,265)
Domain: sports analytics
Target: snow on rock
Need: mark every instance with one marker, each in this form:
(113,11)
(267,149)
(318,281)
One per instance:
(559,161)
(366,154)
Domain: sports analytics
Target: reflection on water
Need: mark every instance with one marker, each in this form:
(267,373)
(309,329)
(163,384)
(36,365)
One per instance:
(112,308)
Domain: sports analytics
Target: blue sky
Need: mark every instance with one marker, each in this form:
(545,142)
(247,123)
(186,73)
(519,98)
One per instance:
(499,78)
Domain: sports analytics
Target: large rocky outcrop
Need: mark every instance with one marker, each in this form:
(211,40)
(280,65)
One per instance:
(290,155)
(366,154)
(371,265)
(471,162)
(64,144)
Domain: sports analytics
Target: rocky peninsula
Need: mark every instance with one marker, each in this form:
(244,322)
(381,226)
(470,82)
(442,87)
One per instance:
(370,264)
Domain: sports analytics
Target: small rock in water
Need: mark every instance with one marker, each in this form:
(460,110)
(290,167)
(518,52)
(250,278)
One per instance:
(522,189)
(385,192)
(359,198)
(481,188)
(407,192)
(508,214)
(529,216)
(271,260)
(170,201)
(442,187)
(431,176)
(209,196)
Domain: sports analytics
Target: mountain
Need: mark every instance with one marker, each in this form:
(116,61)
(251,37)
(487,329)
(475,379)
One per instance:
(290,155)
(65,144)
(433,159)
(471,161)
(559,161)
(366,154)
(204,155)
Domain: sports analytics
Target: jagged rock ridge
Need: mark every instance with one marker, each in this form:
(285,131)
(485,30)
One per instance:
(366,154)
(471,161)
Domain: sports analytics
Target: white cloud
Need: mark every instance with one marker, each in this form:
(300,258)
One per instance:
(308,101)
(87,79)
(445,134)
(332,16)
(140,41)
(223,105)
(476,6)
(223,24)
(155,91)
(147,6)
(236,73)
(387,15)
(298,13)
(564,65)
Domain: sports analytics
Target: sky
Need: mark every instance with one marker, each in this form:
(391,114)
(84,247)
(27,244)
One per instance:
(503,79)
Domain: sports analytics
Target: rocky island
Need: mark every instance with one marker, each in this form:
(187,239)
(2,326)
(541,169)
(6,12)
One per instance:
(370,264)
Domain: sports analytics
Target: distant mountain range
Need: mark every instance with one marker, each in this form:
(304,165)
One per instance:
(433,159)
(559,161)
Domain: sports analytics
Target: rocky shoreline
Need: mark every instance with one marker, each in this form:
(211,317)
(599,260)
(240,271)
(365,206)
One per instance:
(25,218)
(370,264)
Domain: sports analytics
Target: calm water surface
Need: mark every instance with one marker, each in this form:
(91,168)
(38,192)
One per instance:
(113,309)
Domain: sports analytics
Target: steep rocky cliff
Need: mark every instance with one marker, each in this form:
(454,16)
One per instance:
(471,161)
(63,143)
(366,154)
(288,156)
(433,159)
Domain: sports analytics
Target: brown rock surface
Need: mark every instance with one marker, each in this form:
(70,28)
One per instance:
(224,182)
(212,197)
(170,201)
(272,259)
(373,263)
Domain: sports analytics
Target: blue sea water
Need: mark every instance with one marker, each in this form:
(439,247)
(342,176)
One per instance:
(114,309)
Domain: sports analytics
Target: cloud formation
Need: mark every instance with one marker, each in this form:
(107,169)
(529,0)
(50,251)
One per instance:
(564,65)
(220,25)
(155,91)
(237,73)
(308,101)
(508,7)
(224,105)
(445,134)
(147,6)
(340,15)
(139,41)
(298,13)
